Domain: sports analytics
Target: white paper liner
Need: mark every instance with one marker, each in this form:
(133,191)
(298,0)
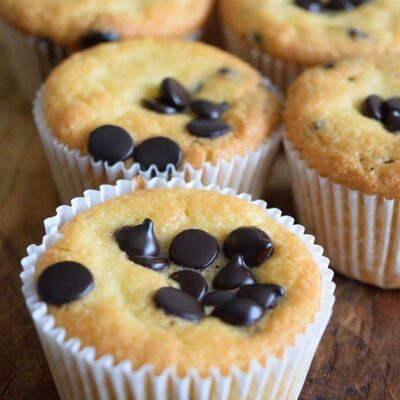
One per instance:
(73,173)
(79,375)
(280,72)
(33,58)
(360,232)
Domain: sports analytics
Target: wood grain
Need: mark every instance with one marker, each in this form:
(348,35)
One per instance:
(357,359)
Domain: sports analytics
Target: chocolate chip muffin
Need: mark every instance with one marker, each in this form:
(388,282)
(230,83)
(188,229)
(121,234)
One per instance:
(158,107)
(343,122)
(40,36)
(166,286)
(285,36)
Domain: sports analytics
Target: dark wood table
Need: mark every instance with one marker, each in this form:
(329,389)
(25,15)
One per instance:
(360,351)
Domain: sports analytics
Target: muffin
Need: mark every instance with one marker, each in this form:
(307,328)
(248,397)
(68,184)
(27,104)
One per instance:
(40,36)
(282,37)
(343,145)
(157,108)
(177,299)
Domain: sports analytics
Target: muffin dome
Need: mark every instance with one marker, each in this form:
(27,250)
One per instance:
(67,22)
(311,32)
(124,313)
(331,122)
(119,83)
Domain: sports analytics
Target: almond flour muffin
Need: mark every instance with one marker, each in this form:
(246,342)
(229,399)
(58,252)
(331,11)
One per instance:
(343,124)
(157,107)
(282,37)
(164,287)
(40,36)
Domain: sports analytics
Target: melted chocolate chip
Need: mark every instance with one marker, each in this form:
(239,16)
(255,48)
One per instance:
(154,263)
(207,128)
(159,151)
(254,244)
(372,107)
(239,312)
(173,93)
(158,107)
(93,38)
(234,275)
(138,240)
(313,6)
(339,5)
(208,109)
(179,303)
(264,294)
(217,298)
(191,282)
(193,248)
(110,143)
(64,282)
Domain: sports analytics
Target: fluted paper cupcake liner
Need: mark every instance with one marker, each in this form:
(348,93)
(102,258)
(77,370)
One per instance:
(360,232)
(32,58)
(280,72)
(79,374)
(73,172)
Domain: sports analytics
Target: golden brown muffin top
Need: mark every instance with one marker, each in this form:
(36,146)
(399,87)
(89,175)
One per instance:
(106,85)
(119,315)
(64,22)
(326,123)
(295,35)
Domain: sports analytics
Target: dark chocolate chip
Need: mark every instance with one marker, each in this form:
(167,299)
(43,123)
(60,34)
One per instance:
(191,282)
(159,151)
(207,128)
(217,297)
(173,93)
(357,33)
(391,114)
(372,107)
(264,294)
(93,38)
(158,107)
(234,275)
(208,109)
(239,312)
(393,104)
(64,282)
(253,243)
(339,5)
(193,248)
(226,71)
(329,65)
(138,240)
(256,36)
(110,143)
(313,6)
(179,303)
(154,263)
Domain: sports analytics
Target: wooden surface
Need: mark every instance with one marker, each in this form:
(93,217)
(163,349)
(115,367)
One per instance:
(360,351)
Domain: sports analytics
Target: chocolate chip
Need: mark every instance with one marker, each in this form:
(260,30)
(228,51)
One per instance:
(338,5)
(253,243)
(64,282)
(208,109)
(159,151)
(264,294)
(256,37)
(357,34)
(372,107)
(329,65)
(110,143)
(179,303)
(391,114)
(154,263)
(217,297)
(226,71)
(234,275)
(191,282)
(158,107)
(313,6)
(208,128)
(173,93)
(193,248)
(138,240)
(93,38)
(239,312)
